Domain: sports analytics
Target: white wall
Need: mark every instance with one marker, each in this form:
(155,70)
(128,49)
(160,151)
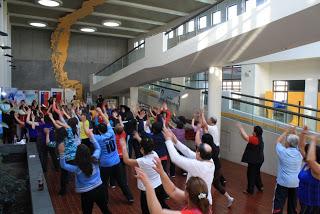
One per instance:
(232,145)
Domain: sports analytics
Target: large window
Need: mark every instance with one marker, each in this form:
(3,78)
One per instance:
(231,85)
(170,35)
(136,44)
(190,26)
(141,42)
(259,2)
(180,30)
(216,17)
(280,89)
(202,22)
(232,11)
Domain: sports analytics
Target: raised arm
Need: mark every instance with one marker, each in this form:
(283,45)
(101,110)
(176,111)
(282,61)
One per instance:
(18,120)
(197,138)
(63,164)
(174,192)
(47,133)
(56,125)
(302,141)
(128,161)
(243,132)
(103,115)
(312,158)
(153,202)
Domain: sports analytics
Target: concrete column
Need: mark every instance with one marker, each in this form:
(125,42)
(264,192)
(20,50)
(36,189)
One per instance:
(310,100)
(214,93)
(134,97)
(122,100)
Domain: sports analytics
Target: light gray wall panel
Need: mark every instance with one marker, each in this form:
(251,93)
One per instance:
(87,54)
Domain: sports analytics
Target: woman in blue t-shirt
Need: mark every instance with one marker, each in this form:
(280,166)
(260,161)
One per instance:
(88,182)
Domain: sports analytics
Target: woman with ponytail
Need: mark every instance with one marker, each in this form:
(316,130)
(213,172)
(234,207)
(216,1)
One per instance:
(254,157)
(88,182)
(195,193)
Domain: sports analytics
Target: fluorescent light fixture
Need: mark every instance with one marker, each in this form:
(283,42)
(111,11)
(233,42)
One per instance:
(184,96)
(38,24)
(111,23)
(88,29)
(50,3)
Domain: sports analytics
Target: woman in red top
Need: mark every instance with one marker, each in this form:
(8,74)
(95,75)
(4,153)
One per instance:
(195,193)
(253,156)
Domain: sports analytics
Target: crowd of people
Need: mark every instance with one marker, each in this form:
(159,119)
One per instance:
(97,143)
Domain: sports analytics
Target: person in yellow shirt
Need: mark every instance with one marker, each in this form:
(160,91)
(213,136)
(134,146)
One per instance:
(84,125)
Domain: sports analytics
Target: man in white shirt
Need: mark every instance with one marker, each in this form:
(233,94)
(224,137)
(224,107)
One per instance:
(197,164)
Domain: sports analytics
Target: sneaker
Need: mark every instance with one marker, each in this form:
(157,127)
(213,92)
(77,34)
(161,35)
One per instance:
(261,189)
(113,187)
(184,174)
(131,201)
(230,202)
(172,176)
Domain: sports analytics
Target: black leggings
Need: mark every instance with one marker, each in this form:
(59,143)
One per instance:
(96,195)
(118,173)
(254,177)
(64,177)
(161,195)
(217,181)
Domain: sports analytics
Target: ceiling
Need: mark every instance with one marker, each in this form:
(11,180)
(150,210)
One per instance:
(138,17)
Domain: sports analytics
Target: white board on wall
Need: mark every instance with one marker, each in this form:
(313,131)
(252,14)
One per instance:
(68,94)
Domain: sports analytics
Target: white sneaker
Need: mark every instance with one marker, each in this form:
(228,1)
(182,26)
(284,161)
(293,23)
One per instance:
(230,202)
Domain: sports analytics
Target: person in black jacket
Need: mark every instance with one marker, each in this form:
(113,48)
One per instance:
(253,156)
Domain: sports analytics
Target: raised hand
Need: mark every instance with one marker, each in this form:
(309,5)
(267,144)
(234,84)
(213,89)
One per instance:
(167,134)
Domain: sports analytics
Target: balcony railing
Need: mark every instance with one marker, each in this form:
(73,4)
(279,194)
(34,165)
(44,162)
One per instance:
(132,56)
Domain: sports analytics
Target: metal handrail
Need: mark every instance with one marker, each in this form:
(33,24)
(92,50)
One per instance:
(160,86)
(126,54)
(272,108)
(273,101)
(182,86)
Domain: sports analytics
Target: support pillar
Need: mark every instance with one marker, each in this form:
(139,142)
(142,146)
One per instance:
(134,97)
(310,95)
(214,93)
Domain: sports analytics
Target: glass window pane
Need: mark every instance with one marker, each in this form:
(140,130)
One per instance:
(191,26)
(250,4)
(180,30)
(135,44)
(232,11)
(141,42)
(170,35)
(203,22)
(216,17)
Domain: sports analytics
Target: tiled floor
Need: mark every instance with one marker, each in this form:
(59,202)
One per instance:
(260,203)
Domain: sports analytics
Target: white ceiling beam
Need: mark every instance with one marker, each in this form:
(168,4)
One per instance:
(146,7)
(76,31)
(207,1)
(78,23)
(105,15)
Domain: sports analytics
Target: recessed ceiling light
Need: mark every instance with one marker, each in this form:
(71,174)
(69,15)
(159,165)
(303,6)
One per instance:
(50,3)
(111,23)
(37,24)
(88,29)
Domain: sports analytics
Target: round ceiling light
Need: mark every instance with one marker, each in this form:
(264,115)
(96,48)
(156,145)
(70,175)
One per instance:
(111,23)
(50,3)
(88,29)
(37,24)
